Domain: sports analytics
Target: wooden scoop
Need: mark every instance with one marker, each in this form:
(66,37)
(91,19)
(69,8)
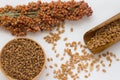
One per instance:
(91,33)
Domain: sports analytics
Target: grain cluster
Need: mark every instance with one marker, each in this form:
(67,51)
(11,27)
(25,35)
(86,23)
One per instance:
(39,16)
(22,59)
(80,60)
(105,35)
(53,37)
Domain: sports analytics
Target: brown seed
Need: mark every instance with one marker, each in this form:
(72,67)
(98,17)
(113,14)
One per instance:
(62,58)
(89,74)
(98,66)
(103,70)
(57,55)
(47,74)
(104,55)
(55,65)
(108,58)
(54,44)
(109,65)
(99,56)
(51,66)
(62,31)
(66,44)
(86,71)
(51,59)
(91,67)
(79,43)
(45,67)
(48,59)
(103,64)
(117,59)
(71,29)
(64,54)
(55,51)
(111,54)
(65,39)
(101,61)
(85,76)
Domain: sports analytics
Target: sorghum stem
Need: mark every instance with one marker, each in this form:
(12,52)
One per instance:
(17,14)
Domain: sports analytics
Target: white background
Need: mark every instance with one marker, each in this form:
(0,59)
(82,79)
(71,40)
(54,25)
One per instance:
(103,9)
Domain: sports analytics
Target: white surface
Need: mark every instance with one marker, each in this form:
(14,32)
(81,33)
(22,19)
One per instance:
(103,9)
